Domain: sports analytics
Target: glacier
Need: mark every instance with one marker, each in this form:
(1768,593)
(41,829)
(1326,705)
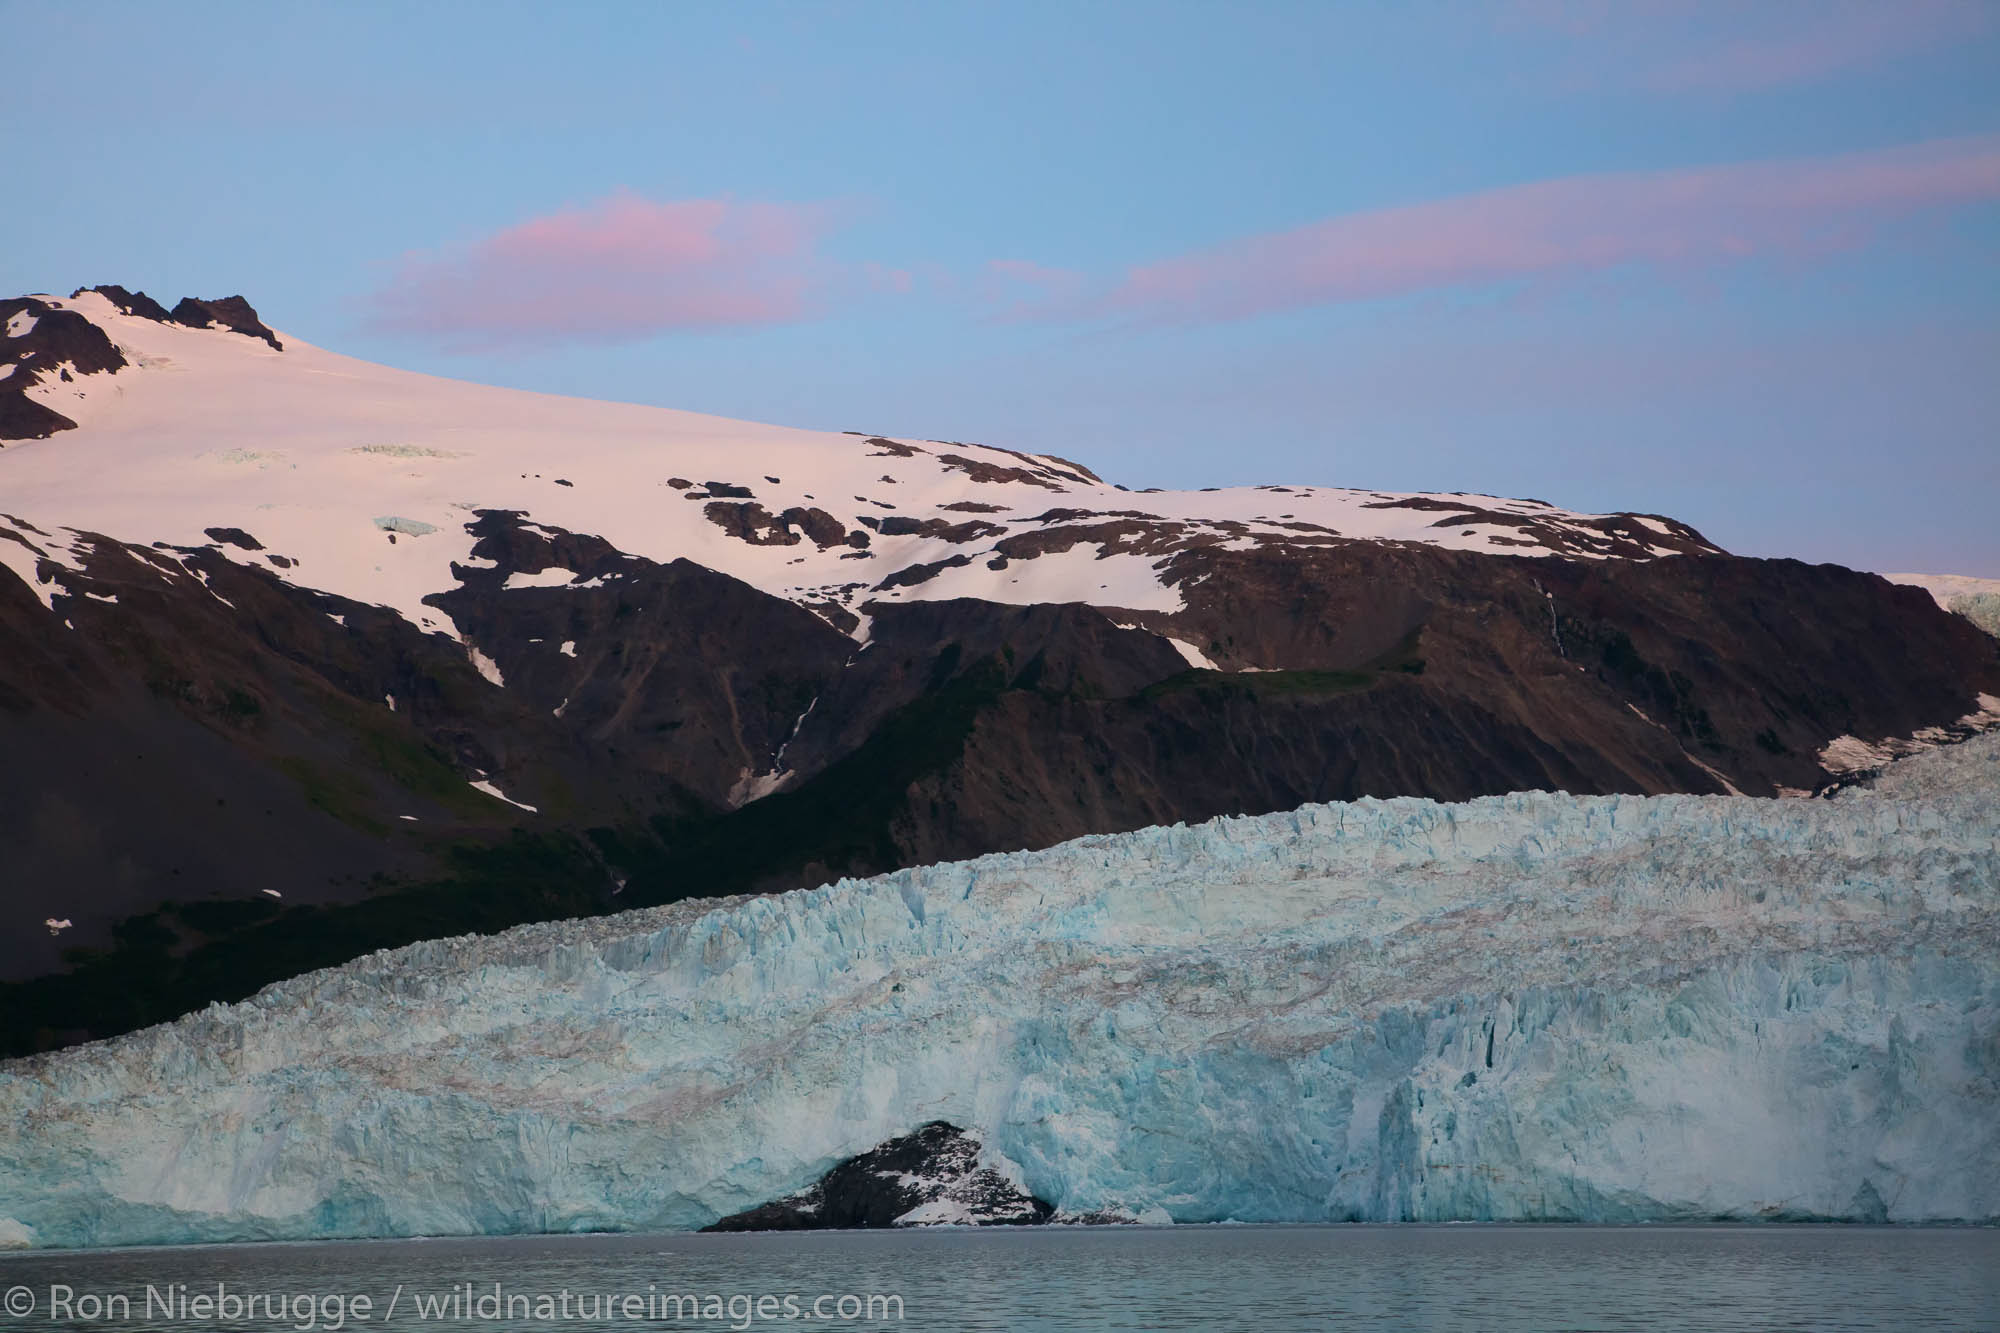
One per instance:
(1534,1006)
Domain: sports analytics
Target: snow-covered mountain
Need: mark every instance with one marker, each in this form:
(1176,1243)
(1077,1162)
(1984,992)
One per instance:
(302,656)
(1528,1006)
(364,479)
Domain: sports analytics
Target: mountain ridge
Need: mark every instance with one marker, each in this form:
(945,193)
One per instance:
(475,656)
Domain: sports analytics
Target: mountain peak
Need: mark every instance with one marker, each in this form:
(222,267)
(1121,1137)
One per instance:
(371,481)
(42,344)
(230,312)
(47,344)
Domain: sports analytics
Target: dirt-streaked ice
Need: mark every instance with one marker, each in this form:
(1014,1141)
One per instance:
(1531,1006)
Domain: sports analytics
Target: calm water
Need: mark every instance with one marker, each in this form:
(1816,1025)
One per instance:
(1263,1278)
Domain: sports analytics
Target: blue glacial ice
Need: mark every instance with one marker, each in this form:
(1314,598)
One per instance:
(1524,1007)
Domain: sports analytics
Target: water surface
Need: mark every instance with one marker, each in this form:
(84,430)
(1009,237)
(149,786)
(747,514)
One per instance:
(1484,1278)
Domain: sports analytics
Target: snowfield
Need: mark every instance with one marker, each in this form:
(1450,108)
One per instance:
(365,477)
(1530,1006)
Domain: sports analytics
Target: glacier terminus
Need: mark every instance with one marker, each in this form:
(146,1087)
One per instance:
(1523,1007)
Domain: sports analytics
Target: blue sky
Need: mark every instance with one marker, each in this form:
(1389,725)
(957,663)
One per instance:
(1735,263)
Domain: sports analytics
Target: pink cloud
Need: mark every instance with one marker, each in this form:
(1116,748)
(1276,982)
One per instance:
(1803,207)
(1828,39)
(1019,288)
(882,278)
(623,268)
(1730,46)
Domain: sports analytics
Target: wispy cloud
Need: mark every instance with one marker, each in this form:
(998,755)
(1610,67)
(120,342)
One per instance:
(1799,207)
(1729,46)
(621,269)
(1830,39)
(1019,288)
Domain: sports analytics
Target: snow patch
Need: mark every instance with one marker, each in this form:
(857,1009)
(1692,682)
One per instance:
(23,549)
(748,788)
(1194,656)
(21,323)
(546,578)
(485,666)
(487,786)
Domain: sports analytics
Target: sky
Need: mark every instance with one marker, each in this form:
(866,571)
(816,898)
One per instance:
(1734,262)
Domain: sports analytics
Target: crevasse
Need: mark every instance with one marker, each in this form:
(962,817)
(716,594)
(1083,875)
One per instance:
(1525,1007)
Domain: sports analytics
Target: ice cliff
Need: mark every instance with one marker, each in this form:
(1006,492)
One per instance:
(1531,1006)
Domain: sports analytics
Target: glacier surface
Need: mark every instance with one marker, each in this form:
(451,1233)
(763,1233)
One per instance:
(1525,1007)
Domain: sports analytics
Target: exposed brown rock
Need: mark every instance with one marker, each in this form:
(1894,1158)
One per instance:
(131,303)
(911,575)
(234,537)
(752,523)
(60,341)
(992,472)
(232,312)
(902,526)
(1625,535)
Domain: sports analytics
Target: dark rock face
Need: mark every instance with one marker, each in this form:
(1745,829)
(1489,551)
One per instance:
(751,522)
(234,537)
(682,734)
(232,312)
(929,1177)
(61,344)
(979,470)
(132,303)
(175,754)
(681,680)
(22,418)
(966,727)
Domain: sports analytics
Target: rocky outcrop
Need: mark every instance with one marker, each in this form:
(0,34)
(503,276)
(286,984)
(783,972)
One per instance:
(44,345)
(130,303)
(929,1177)
(231,312)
